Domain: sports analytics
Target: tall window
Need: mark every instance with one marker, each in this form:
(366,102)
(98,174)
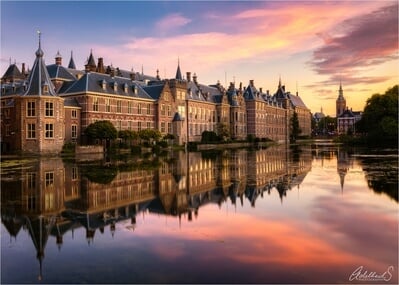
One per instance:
(162,127)
(74,173)
(74,114)
(169,128)
(139,126)
(169,111)
(148,109)
(31,131)
(74,131)
(107,105)
(49,130)
(149,125)
(31,180)
(95,104)
(139,108)
(119,106)
(129,107)
(49,178)
(49,109)
(31,109)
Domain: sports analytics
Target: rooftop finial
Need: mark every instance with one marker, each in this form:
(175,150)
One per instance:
(39,33)
(39,52)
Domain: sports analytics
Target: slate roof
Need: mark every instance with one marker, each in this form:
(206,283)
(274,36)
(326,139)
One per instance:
(14,88)
(71,102)
(13,72)
(296,101)
(347,113)
(154,90)
(71,64)
(92,82)
(178,73)
(39,77)
(59,72)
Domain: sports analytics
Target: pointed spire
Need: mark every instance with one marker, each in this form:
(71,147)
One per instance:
(178,72)
(39,82)
(279,81)
(91,63)
(71,62)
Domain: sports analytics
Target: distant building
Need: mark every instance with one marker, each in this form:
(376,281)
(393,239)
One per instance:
(346,118)
(50,105)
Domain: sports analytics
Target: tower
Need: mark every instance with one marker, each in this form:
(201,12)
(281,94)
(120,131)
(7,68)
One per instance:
(341,102)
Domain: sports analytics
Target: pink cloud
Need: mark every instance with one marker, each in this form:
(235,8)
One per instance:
(172,21)
(363,41)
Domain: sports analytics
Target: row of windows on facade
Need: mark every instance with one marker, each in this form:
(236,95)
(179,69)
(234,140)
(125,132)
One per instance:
(31,178)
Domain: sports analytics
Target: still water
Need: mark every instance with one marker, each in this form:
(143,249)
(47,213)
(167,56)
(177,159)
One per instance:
(309,214)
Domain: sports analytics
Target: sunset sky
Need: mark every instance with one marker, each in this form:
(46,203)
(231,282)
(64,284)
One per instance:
(311,45)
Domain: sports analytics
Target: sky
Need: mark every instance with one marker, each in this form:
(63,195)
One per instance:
(311,45)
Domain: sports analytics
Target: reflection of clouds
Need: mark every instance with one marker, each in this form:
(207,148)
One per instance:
(257,244)
(356,228)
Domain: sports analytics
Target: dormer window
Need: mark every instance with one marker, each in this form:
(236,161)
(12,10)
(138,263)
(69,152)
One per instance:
(45,88)
(125,87)
(134,89)
(103,84)
(115,86)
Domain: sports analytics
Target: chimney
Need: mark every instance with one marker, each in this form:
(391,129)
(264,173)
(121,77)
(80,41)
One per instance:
(133,76)
(100,65)
(195,78)
(58,58)
(240,86)
(267,92)
(188,74)
(260,90)
(251,82)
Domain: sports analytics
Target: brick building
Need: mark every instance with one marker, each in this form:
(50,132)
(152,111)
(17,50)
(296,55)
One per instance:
(50,105)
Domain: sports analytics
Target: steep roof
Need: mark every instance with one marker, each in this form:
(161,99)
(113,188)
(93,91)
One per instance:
(93,82)
(154,90)
(13,72)
(178,72)
(59,72)
(71,64)
(295,100)
(39,82)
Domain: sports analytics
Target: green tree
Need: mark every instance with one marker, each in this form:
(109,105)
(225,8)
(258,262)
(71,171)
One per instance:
(295,130)
(101,130)
(150,134)
(379,120)
(223,131)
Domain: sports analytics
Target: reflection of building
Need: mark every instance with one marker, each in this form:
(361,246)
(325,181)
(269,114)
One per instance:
(344,162)
(53,197)
(50,105)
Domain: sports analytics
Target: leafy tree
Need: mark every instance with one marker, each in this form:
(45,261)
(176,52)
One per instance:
(294,127)
(128,135)
(150,134)
(380,118)
(209,136)
(101,130)
(223,131)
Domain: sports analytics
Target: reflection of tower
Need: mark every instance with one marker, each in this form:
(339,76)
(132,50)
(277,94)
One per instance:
(342,166)
(39,230)
(341,102)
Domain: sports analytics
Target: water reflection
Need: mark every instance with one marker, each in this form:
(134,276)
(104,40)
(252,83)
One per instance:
(49,197)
